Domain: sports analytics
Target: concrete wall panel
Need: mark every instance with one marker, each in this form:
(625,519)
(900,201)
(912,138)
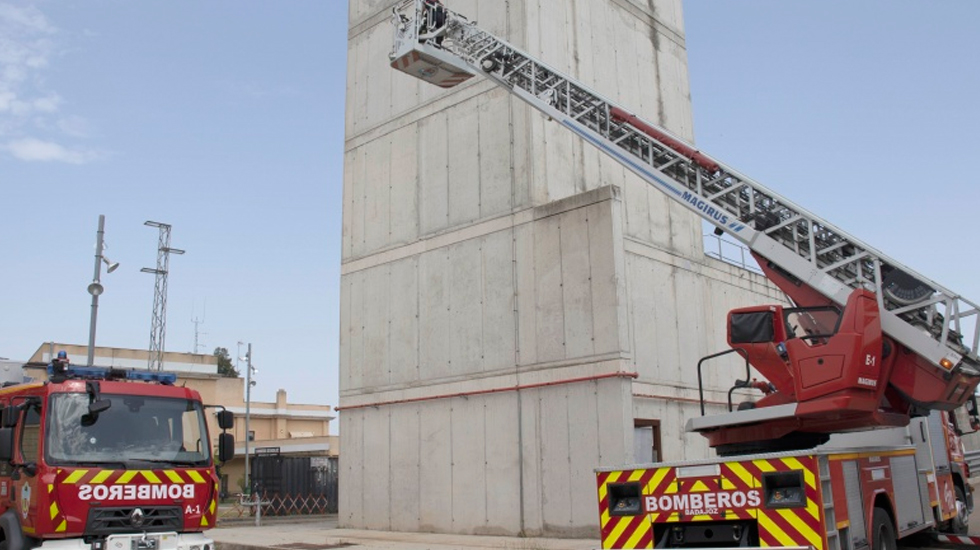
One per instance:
(503,444)
(550,323)
(403,474)
(586,421)
(375,322)
(403,322)
(499,330)
(469,460)
(466,305)
(433,176)
(355,203)
(403,206)
(377,196)
(527,311)
(552,411)
(350,498)
(436,483)
(530,433)
(434,315)
(576,284)
(355,329)
(376,459)
(343,343)
(347,218)
(606,286)
(495,153)
(615,437)
(463,161)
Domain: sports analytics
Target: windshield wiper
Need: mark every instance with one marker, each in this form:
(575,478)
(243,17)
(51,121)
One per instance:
(170,461)
(111,464)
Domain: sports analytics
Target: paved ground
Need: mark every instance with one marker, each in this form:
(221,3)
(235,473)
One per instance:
(321,533)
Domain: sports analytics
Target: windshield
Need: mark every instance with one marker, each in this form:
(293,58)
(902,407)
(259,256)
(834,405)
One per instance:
(132,429)
(813,324)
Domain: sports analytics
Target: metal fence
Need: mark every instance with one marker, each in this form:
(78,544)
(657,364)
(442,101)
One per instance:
(973,460)
(295,485)
(730,252)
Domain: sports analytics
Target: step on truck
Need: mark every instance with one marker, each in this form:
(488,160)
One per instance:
(107,459)
(868,344)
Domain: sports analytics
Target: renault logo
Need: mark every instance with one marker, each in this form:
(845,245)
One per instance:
(136,517)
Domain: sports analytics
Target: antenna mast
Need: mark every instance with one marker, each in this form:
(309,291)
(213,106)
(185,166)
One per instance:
(158,328)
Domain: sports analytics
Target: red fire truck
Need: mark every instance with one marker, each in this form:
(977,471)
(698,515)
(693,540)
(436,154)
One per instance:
(107,459)
(850,444)
(866,489)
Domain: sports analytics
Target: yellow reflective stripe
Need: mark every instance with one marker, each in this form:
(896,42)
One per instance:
(53,509)
(174,476)
(743,474)
(621,524)
(50,487)
(62,526)
(204,521)
(765,522)
(75,476)
(699,487)
(126,476)
(812,536)
(100,477)
(150,476)
(808,476)
(658,477)
(634,540)
(195,476)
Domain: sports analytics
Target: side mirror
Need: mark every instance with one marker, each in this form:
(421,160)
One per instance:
(9,416)
(96,407)
(226,447)
(6,443)
(226,419)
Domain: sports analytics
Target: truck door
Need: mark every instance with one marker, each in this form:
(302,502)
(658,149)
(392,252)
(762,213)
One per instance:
(25,487)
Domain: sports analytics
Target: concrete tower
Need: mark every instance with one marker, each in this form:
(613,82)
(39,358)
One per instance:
(516,308)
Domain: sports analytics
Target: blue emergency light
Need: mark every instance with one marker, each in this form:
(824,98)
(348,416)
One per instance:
(78,372)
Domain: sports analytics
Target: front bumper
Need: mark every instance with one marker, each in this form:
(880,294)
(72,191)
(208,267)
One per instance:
(136,541)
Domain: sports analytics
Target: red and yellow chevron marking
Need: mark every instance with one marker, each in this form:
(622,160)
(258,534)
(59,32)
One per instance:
(57,518)
(624,531)
(83,476)
(784,526)
(737,486)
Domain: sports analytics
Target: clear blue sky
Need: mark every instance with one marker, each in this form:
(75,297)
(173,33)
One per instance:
(225,119)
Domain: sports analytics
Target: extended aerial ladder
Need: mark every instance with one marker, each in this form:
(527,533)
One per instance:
(929,335)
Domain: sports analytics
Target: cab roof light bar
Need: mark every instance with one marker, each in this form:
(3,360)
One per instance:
(58,371)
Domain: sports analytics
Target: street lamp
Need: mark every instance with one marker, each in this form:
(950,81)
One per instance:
(249,371)
(96,288)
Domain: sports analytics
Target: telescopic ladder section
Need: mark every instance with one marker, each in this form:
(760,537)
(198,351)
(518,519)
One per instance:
(935,323)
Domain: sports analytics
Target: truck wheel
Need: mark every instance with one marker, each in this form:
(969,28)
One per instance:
(961,522)
(882,531)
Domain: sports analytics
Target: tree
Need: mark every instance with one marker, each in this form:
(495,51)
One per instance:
(225,366)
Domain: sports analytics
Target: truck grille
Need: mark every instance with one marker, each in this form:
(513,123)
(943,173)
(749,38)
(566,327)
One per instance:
(107,521)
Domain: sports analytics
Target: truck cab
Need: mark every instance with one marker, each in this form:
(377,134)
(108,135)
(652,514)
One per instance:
(95,457)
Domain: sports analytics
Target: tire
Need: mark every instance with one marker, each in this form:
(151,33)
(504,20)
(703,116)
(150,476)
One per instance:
(960,524)
(882,531)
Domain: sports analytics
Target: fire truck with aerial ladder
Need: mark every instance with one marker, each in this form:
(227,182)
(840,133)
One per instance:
(98,458)
(854,441)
